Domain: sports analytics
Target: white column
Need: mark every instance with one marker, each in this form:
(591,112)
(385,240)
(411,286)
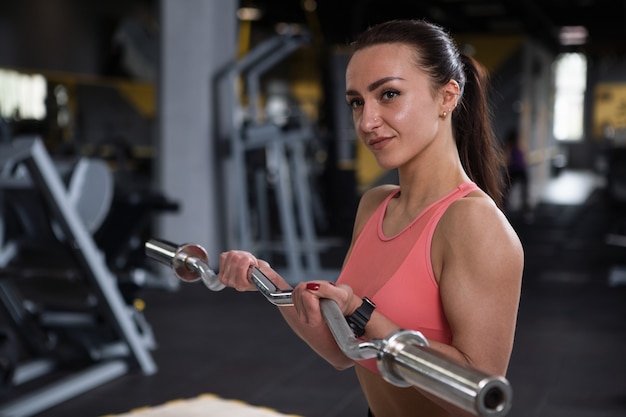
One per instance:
(199,37)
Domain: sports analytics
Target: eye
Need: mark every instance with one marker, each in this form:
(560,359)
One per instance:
(354,103)
(387,95)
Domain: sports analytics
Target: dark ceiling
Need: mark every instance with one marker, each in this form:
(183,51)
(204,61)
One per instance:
(339,20)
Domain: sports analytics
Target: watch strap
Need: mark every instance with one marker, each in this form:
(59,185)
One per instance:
(361,316)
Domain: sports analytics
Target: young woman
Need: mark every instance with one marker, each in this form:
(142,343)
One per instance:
(435,253)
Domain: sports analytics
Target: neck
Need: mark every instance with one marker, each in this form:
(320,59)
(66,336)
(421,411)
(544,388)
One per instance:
(431,175)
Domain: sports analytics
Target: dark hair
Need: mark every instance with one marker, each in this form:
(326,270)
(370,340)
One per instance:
(437,54)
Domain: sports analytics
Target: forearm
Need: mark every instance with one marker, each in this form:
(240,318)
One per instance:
(380,327)
(304,316)
(319,338)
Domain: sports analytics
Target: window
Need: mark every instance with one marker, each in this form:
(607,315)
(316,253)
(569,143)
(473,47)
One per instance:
(571,80)
(22,96)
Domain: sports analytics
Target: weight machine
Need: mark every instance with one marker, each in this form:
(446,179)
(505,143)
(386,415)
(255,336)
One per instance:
(271,156)
(67,325)
(404,357)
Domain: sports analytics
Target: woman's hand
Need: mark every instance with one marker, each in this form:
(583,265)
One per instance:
(235,269)
(306,300)
(305,316)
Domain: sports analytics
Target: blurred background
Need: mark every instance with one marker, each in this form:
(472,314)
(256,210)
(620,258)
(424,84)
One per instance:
(223,123)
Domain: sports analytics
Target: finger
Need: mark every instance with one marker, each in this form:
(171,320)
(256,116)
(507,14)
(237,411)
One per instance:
(307,303)
(342,294)
(235,269)
(261,264)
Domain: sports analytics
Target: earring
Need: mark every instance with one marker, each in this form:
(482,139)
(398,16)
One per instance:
(444,114)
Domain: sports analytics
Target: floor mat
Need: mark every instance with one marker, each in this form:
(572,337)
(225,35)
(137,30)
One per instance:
(203,406)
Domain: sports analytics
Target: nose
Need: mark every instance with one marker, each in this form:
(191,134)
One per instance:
(370,119)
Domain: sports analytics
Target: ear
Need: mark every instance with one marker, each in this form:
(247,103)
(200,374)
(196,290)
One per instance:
(450,93)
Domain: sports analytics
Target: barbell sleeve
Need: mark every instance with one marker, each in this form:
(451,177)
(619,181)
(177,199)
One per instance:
(404,358)
(189,262)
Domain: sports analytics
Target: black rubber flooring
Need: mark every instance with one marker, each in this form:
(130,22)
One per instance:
(569,358)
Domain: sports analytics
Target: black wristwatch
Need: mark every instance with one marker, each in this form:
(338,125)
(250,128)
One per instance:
(361,316)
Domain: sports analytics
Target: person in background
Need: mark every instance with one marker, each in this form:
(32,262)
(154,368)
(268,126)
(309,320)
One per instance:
(517,172)
(433,254)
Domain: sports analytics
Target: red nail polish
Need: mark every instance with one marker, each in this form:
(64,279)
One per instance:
(312,286)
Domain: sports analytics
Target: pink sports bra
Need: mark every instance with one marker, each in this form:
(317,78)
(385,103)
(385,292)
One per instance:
(396,271)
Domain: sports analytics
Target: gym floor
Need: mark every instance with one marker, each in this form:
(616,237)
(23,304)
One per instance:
(568,360)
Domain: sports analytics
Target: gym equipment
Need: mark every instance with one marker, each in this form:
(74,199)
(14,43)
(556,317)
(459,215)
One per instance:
(56,289)
(8,359)
(271,154)
(404,357)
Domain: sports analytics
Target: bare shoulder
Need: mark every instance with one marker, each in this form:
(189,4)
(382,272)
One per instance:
(374,196)
(370,200)
(477,228)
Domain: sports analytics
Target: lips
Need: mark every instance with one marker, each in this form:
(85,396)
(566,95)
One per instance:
(378,143)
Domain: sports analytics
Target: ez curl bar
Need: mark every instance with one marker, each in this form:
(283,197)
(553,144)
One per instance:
(404,357)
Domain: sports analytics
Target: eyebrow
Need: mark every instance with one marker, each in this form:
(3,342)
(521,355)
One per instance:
(373,86)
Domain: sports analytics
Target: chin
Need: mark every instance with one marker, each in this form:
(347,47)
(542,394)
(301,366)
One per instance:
(386,165)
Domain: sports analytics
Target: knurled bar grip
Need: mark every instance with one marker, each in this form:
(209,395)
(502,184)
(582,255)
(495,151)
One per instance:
(403,358)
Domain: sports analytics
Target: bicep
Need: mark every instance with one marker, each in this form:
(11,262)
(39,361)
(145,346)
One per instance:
(480,289)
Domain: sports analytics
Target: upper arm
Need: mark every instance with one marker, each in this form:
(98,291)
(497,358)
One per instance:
(480,281)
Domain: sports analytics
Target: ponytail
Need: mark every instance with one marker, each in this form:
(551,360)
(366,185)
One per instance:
(480,152)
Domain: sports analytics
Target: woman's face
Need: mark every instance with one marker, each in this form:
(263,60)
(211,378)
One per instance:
(393,109)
